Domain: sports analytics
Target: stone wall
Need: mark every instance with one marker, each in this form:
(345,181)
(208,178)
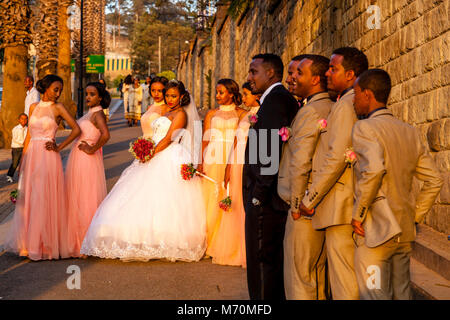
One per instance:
(412,44)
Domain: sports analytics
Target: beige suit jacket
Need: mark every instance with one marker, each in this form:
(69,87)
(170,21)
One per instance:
(296,162)
(331,191)
(389,154)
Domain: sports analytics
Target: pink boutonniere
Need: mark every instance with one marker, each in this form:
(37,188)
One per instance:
(350,156)
(322,124)
(285,133)
(253,119)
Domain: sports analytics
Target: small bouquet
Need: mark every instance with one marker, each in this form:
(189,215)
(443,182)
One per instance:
(285,133)
(225,204)
(188,171)
(253,119)
(350,156)
(13,195)
(142,149)
(322,124)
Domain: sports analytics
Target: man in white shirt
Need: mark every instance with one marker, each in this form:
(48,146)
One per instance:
(19,134)
(32,94)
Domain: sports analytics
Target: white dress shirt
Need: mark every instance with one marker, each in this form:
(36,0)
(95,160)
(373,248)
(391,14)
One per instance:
(19,134)
(268,91)
(32,97)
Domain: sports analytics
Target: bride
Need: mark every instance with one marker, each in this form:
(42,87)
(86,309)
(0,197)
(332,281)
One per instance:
(151,212)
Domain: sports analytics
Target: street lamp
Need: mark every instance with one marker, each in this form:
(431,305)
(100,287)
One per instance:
(81,73)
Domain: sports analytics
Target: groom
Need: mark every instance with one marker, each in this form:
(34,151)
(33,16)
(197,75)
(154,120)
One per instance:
(265,211)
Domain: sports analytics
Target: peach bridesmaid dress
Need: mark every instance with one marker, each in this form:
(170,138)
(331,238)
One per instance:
(39,227)
(221,139)
(228,244)
(85,179)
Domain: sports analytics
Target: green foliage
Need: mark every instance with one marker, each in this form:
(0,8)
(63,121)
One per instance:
(116,81)
(238,7)
(170,75)
(208,78)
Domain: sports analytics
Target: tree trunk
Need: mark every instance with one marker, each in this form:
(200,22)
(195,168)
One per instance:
(64,57)
(47,56)
(14,93)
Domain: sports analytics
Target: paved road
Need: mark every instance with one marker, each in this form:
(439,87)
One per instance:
(21,278)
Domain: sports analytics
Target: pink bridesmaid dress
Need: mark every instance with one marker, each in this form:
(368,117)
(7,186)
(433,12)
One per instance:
(39,226)
(85,179)
(228,244)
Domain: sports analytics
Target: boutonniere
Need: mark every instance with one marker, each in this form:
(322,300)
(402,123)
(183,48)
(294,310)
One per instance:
(350,156)
(322,124)
(285,133)
(253,119)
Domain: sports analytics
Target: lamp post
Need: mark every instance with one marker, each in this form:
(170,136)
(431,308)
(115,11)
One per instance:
(81,73)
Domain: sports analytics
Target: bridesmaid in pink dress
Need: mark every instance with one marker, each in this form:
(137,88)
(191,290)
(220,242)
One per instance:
(230,239)
(85,173)
(39,227)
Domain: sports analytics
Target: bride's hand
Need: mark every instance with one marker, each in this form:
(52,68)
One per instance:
(200,168)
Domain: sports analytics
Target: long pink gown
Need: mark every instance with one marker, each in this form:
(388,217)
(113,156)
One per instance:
(39,227)
(228,243)
(85,179)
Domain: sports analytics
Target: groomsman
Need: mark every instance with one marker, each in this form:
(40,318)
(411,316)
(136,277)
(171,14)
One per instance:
(292,74)
(329,199)
(265,211)
(304,256)
(389,153)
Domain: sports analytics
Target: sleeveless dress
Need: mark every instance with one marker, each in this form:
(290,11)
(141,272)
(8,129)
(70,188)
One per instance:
(228,244)
(151,212)
(40,224)
(221,139)
(85,178)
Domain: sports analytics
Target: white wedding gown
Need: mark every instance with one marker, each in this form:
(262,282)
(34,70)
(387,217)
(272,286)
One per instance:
(151,212)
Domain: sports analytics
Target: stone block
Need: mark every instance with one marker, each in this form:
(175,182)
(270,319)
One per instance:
(443,102)
(438,135)
(439,218)
(439,20)
(442,160)
(444,195)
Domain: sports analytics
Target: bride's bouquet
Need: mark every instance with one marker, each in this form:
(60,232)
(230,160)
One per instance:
(188,171)
(142,149)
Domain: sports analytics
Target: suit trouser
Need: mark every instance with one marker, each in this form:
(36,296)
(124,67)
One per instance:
(264,233)
(383,271)
(16,154)
(340,256)
(304,260)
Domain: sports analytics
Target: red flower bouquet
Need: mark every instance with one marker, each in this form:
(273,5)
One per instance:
(187,171)
(142,149)
(225,204)
(13,195)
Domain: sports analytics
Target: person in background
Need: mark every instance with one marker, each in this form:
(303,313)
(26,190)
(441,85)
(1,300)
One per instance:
(291,76)
(119,88)
(32,94)
(127,83)
(146,94)
(19,133)
(105,110)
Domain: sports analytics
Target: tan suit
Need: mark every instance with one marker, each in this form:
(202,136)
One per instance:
(389,154)
(304,247)
(331,194)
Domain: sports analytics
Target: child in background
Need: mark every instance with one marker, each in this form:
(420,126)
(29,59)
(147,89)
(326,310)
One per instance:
(19,133)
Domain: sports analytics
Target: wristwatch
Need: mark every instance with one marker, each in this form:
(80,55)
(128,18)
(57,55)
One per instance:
(256,202)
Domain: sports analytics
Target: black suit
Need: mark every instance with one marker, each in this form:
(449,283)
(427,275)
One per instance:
(264,224)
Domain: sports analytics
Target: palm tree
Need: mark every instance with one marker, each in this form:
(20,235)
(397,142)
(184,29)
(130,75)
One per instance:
(47,50)
(14,38)
(64,56)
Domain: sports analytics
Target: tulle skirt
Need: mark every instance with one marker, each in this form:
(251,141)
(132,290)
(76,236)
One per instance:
(86,189)
(151,213)
(40,223)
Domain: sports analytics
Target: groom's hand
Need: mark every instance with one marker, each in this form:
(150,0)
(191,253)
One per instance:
(305,211)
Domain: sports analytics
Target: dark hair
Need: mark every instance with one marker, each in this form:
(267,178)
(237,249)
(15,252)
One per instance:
(128,79)
(377,81)
(354,59)
(247,86)
(185,100)
(30,77)
(22,114)
(300,57)
(273,60)
(102,93)
(45,83)
(162,80)
(319,67)
(233,88)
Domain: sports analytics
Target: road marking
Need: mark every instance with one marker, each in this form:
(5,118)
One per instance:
(15,266)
